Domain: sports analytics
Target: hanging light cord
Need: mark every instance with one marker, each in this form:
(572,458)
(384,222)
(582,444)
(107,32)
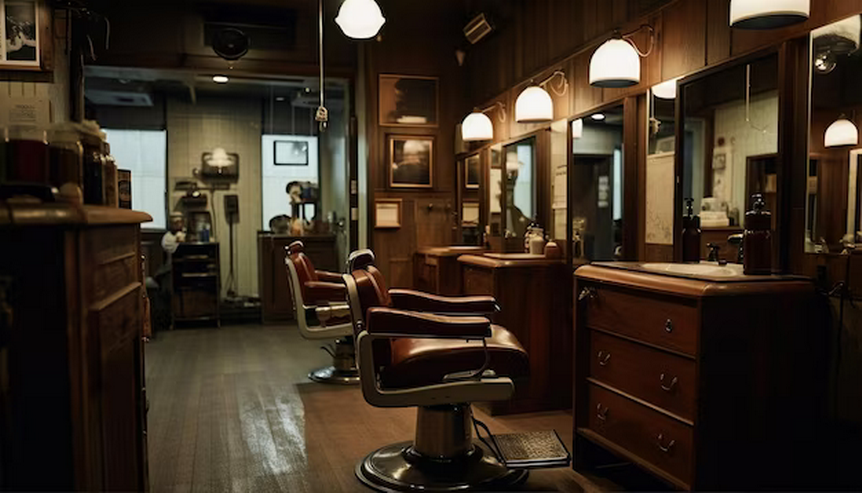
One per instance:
(562,87)
(748,101)
(500,114)
(322,115)
(630,38)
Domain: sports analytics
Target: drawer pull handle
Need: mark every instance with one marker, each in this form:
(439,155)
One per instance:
(602,414)
(604,358)
(665,448)
(670,387)
(588,293)
(668,326)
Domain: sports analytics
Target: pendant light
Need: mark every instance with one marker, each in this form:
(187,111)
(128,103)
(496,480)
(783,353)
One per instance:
(665,90)
(477,126)
(616,63)
(360,19)
(842,132)
(768,14)
(534,104)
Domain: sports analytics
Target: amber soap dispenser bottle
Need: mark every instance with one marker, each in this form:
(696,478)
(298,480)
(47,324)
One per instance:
(690,234)
(757,244)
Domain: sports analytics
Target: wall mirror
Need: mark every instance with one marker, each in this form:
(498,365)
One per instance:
(520,194)
(834,199)
(596,185)
(730,146)
(471,182)
(660,173)
(495,191)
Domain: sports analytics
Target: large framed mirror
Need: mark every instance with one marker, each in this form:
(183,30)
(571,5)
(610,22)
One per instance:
(834,200)
(729,148)
(520,190)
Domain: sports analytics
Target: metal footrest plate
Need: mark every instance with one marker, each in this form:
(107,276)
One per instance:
(533,450)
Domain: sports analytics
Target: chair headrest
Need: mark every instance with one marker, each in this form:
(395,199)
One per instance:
(295,247)
(360,259)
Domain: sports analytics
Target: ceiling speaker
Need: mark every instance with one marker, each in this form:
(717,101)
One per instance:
(477,29)
(230,43)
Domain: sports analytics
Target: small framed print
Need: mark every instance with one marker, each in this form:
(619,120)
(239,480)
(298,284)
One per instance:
(387,213)
(290,152)
(21,28)
(411,161)
(472,172)
(408,100)
(470,213)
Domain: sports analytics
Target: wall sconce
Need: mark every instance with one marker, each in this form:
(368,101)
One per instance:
(768,14)
(665,90)
(477,126)
(577,128)
(616,63)
(534,104)
(842,132)
(360,19)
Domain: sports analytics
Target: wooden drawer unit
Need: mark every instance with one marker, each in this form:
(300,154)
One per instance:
(666,322)
(697,380)
(654,438)
(660,378)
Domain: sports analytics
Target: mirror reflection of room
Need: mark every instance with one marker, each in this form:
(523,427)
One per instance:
(833,201)
(520,187)
(597,185)
(730,148)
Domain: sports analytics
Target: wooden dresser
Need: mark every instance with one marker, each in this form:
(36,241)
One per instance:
(436,269)
(72,396)
(705,382)
(532,294)
(275,298)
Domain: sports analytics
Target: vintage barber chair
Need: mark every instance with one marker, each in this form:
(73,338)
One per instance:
(319,300)
(412,356)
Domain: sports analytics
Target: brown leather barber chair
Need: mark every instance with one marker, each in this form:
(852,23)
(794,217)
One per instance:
(411,355)
(322,312)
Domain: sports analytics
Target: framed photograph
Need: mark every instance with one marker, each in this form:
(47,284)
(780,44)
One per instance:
(470,213)
(387,213)
(21,33)
(220,164)
(411,161)
(407,100)
(290,152)
(472,172)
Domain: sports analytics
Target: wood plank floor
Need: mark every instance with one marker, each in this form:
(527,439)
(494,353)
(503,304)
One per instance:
(231,410)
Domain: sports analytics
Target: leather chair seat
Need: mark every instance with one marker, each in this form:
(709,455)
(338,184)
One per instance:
(420,362)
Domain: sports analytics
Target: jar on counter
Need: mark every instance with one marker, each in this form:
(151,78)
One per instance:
(27,155)
(66,159)
(112,194)
(94,165)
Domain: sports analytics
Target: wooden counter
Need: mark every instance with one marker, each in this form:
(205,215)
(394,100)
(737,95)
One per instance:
(276,300)
(532,292)
(436,269)
(73,413)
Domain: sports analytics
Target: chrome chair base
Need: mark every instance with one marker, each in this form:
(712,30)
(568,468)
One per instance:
(398,467)
(330,375)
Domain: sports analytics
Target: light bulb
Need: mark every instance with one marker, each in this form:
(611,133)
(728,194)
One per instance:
(598,116)
(615,63)
(477,126)
(534,105)
(842,132)
(768,14)
(360,19)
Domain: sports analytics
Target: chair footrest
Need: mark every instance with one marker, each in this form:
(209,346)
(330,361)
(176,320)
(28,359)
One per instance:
(532,450)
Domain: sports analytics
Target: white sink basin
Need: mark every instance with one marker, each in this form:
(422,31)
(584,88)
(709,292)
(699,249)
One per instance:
(702,269)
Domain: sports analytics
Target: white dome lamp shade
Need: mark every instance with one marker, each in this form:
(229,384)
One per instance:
(768,14)
(615,63)
(578,128)
(477,127)
(665,90)
(842,132)
(534,105)
(360,19)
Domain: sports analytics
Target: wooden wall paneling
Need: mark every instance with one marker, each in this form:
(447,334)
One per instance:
(794,147)
(651,69)
(718,32)
(632,145)
(584,96)
(564,32)
(640,198)
(590,17)
(684,39)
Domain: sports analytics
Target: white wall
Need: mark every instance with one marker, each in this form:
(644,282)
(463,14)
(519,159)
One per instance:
(276,178)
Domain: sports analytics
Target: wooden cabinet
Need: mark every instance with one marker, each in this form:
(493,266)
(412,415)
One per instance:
(436,269)
(532,293)
(72,395)
(196,283)
(276,300)
(707,383)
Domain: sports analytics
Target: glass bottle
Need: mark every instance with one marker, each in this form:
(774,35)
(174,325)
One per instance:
(27,155)
(66,159)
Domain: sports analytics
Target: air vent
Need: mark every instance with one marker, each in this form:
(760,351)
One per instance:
(119,98)
(477,29)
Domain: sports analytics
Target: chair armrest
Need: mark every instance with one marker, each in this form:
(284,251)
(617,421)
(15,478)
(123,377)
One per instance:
(318,292)
(399,323)
(408,299)
(327,276)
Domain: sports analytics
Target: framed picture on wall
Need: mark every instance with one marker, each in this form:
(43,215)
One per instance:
(407,100)
(411,161)
(20,44)
(290,153)
(472,172)
(220,165)
(387,213)
(470,213)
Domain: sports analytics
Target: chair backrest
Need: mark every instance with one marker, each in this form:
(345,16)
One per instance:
(304,266)
(367,289)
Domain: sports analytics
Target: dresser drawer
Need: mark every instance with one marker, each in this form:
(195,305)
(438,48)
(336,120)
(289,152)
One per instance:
(650,435)
(658,377)
(666,322)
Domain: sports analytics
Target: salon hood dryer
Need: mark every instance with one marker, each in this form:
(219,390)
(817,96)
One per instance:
(439,354)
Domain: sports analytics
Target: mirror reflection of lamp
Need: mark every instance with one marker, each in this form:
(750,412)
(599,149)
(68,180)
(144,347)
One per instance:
(842,132)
